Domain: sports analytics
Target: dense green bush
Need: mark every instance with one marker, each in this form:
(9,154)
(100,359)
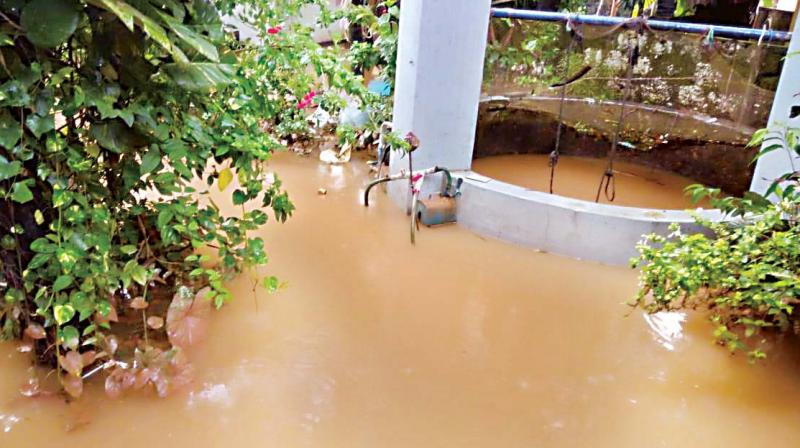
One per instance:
(117,117)
(745,270)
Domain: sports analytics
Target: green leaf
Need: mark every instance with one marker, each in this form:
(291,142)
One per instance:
(139,275)
(10,131)
(115,136)
(194,40)
(150,160)
(43,245)
(224,179)
(21,193)
(49,23)
(9,169)
(70,337)
(130,16)
(40,125)
(128,249)
(5,40)
(239,197)
(62,282)
(38,261)
(164,217)
(63,313)
(38,217)
(200,76)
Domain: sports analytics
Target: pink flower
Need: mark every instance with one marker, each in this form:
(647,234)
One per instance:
(274,29)
(307,100)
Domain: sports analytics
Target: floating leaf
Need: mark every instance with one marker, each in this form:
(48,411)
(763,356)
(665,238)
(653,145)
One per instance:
(187,317)
(49,23)
(35,331)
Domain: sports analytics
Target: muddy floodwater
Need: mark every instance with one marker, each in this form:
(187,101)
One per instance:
(457,342)
(579,177)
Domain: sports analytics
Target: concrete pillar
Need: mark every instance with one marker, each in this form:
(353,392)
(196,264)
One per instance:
(776,163)
(442,44)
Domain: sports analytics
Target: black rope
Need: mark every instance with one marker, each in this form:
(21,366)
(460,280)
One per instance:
(575,37)
(607,182)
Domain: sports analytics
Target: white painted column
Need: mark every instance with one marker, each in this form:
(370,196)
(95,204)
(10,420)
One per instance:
(442,44)
(776,163)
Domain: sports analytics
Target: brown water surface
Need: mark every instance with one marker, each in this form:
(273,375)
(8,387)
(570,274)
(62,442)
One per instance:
(579,177)
(457,342)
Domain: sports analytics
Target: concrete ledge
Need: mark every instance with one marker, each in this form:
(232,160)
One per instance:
(561,225)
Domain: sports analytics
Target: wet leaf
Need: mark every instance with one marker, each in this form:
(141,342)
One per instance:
(155,322)
(111,345)
(35,331)
(72,362)
(114,383)
(87,358)
(73,385)
(138,303)
(187,318)
(70,337)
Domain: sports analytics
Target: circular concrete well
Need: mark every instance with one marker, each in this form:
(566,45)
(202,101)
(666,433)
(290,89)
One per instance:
(698,148)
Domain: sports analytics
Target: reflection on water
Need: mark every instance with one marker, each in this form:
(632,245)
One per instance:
(8,421)
(455,342)
(578,177)
(667,327)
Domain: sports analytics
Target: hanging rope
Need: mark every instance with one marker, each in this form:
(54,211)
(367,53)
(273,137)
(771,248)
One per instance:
(607,182)
(575,37)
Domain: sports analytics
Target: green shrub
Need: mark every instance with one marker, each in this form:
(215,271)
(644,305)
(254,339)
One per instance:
(745,271)
(112,112)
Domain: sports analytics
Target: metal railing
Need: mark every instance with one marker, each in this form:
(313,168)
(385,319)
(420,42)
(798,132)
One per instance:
(733,32)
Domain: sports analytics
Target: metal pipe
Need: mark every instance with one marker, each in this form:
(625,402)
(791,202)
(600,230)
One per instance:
(661,25)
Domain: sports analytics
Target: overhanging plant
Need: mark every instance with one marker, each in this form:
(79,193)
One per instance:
(745,271)
(117,117)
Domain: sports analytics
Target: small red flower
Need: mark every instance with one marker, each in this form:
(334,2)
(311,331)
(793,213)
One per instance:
(307,100)
(274,29)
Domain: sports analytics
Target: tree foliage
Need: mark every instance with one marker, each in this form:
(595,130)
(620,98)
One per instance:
(117,119)
(744,270)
